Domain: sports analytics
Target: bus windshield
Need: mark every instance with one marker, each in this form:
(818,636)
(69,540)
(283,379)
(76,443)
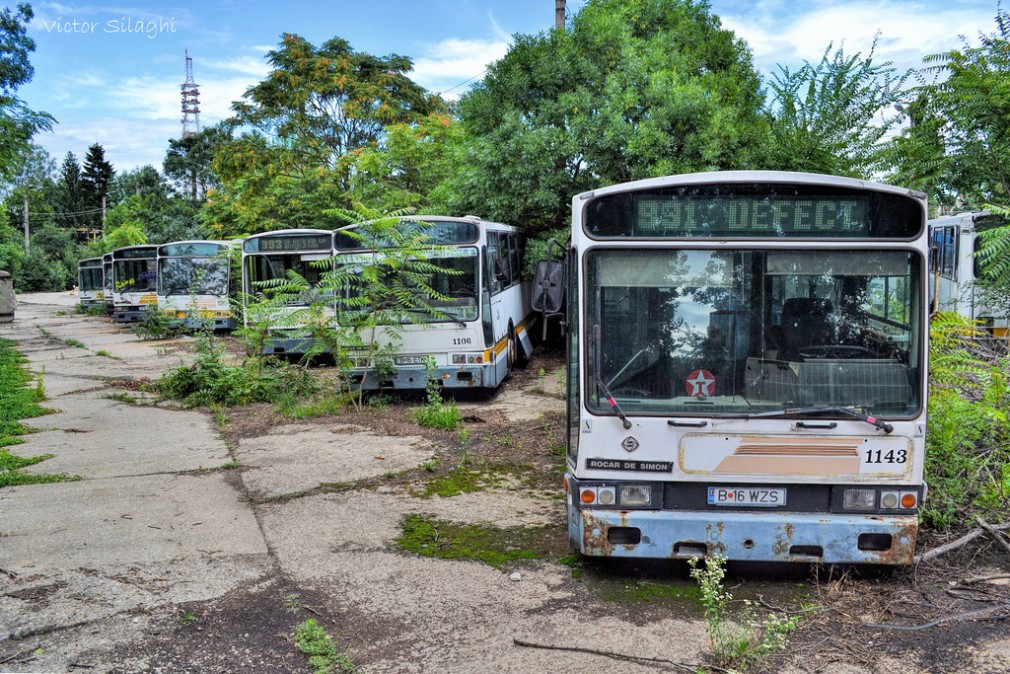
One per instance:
(91,278)
(135,276)
(737,332)
(194,276)
(262,268)
(456,286)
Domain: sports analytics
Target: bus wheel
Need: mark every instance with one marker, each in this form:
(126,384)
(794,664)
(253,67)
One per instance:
(513,356)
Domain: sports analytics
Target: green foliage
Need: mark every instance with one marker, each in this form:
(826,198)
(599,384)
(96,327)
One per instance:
(152,325)
(500,548)
(736,645)
(312,117)
(210,380)
(635,89)
(436,414)
(312,640)
(831,117)
(18,123)
(17,401)
(957,148)
(967,453)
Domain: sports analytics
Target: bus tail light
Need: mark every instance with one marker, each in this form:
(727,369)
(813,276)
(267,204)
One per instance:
(636,494)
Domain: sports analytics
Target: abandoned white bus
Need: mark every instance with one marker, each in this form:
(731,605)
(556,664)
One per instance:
(91,282)
(194,284)
(478,331)
(747,368)
(956,269)
(135,282)
(269,256)
(109,285)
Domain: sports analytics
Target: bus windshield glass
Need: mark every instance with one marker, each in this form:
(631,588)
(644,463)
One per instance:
(739,332)
(194,276)
(91,278)
(260,268)
(455,287)
(135,276)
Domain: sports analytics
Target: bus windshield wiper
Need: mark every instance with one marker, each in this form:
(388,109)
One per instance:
(613,402)
(824,409)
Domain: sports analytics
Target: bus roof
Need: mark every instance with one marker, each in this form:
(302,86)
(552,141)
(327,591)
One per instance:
(710,177)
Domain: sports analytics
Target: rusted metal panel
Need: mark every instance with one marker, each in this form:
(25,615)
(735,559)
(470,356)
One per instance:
(825,538)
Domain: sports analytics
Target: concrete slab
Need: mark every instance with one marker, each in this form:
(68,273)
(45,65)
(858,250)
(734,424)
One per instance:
(95,437)
(137,520)
(301,458)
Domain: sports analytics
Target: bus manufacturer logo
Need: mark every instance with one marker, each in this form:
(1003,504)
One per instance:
(630,444)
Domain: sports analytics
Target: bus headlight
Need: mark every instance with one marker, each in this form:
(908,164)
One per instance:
(606,495)
(636,494)
(859,499)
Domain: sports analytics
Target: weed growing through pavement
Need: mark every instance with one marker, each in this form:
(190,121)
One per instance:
(312,640)
(437,413)
(736,645)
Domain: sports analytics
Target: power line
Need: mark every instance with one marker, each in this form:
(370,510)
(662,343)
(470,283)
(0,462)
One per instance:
(482,74)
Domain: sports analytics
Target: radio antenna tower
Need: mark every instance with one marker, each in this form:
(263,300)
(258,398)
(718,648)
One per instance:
(190,102)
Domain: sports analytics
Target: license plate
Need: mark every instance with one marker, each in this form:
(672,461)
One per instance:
(746,496)
(410,360)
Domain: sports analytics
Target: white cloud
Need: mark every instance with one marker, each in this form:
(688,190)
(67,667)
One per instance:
(908,30)
(445,66)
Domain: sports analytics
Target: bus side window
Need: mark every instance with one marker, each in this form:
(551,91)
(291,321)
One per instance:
(494,263)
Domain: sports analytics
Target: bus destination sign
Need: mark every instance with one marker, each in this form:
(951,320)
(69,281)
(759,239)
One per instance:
(744,210)
(776,216)
(295,243)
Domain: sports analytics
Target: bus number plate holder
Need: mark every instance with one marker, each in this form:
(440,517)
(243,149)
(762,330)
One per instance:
(747,496)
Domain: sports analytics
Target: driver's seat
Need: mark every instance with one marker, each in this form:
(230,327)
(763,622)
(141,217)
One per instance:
(806,321)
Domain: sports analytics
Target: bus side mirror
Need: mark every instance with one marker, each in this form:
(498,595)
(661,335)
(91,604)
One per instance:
(548,287)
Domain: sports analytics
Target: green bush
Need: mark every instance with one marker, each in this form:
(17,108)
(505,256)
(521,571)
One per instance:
(209,380)
(967,455)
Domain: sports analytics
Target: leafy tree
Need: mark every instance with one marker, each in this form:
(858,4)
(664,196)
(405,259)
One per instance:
(407,166)
(96,178)
(957,148)
(144,182)
(636,88)
(188,162)
(18,123)
(317,105)
(831,117)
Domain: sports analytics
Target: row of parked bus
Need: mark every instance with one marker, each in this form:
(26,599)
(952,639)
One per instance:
(747,352)
(476,334)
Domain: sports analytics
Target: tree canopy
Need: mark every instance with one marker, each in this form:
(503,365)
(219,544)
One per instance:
(634,89)
(18,123)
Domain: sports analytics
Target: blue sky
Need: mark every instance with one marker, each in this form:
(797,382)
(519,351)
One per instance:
(110,73)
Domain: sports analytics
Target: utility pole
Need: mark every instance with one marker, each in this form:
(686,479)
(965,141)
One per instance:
(26,222)
(559,14)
